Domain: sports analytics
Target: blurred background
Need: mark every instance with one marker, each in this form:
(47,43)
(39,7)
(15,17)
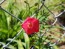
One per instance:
(10,26)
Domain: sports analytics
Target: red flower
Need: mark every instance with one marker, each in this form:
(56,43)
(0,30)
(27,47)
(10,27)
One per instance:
(31,25)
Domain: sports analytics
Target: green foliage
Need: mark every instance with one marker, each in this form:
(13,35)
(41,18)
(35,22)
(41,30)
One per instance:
(9,26)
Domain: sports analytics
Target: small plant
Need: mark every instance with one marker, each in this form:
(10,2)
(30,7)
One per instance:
(35,31)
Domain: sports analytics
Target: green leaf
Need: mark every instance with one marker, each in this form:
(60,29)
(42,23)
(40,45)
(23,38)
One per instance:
(20,45)
(27,42)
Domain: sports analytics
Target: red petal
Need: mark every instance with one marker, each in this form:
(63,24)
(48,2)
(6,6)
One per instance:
(34,28)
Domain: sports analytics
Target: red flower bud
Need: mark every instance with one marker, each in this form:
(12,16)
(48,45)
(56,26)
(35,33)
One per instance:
(31,25)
